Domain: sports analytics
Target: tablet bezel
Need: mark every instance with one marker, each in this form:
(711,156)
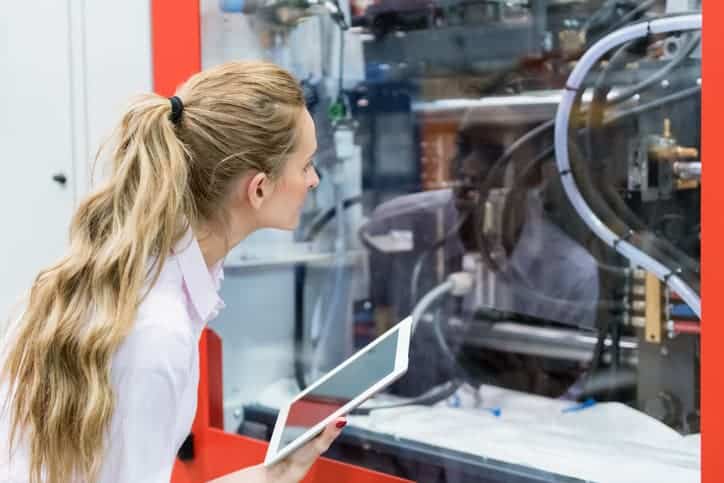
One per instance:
(403,330)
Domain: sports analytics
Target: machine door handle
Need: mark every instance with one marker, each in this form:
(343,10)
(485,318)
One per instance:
(60,178)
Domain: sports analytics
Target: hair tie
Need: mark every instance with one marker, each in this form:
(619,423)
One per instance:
(177,108)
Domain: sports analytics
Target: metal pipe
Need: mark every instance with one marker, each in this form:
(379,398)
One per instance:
(564,344)
(687,170)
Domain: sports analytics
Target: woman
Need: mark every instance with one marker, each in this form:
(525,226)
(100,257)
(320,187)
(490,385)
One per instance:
(100,372)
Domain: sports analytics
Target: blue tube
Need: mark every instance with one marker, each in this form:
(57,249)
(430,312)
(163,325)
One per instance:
(231,6)
(590,402)
(682,311)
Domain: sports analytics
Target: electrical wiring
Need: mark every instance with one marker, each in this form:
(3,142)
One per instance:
(570,182)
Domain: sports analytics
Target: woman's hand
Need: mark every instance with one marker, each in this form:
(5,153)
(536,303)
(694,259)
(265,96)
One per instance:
(293,468)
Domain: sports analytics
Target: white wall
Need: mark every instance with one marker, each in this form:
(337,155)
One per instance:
(68,66)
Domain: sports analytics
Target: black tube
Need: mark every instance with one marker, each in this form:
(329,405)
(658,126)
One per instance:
(671,98)
(321,221)
(599,206)
(300,276)
(429,398)
(623,21)
(678,58)
(417,269)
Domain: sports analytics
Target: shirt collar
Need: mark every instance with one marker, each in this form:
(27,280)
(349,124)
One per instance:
(201,284)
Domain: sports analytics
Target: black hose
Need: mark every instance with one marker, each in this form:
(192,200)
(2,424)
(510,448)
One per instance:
(321,221)
(678,58)
(300,276)
(428,398)
(660,102)
(417,269)
(683,260)
(599,206)
(646,5)
(596,108)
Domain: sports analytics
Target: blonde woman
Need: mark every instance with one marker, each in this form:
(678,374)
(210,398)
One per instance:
(100,373)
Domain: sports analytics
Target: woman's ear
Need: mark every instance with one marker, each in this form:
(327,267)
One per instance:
(259,189)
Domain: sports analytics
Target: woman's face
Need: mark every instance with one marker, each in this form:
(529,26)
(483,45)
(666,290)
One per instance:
(283,206)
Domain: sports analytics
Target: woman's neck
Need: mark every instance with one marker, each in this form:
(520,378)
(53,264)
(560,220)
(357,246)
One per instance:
(215,244)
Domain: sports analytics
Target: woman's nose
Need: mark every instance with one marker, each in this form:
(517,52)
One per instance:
(316,178)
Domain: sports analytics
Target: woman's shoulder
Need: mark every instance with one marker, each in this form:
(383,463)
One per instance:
(162,334)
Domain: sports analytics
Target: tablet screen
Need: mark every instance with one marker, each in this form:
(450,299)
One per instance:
(351,381)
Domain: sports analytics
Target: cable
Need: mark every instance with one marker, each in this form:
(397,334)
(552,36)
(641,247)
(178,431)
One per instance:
(434,395)
(620,208)
(300,274)
(633,253)
(341,63)
(671,98)
(427,300)
(680,57)
(417,269)
(595,139)
(624,20)
(457,284)
(596,107)
(318,224)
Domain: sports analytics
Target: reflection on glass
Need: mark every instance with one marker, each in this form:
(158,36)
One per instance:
(440,158)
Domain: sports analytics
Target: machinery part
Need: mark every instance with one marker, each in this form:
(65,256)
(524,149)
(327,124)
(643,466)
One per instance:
(619,116)
(687,170)
(555,343)
(622,246)
(417,269)
(653,309)
(680,56)
(457,284)
(676,327)
(665,407)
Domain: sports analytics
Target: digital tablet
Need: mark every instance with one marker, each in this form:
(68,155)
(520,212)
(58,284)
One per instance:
(344,388)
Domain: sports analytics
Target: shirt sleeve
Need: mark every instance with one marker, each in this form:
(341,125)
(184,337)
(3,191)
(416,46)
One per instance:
(143,438)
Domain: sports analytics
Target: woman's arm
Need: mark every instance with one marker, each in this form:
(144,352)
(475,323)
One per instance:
(293,468)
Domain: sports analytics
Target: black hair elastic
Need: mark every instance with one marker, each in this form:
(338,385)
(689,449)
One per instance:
(177,108)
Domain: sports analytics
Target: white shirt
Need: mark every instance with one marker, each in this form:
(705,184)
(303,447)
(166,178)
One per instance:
(154,374)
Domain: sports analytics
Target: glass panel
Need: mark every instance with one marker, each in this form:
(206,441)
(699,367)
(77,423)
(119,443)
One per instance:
(566,359)
(346,384)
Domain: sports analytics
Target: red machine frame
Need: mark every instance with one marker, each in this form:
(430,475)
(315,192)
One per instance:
(176,39)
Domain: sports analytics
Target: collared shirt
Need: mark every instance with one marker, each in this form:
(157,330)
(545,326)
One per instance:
(154,375)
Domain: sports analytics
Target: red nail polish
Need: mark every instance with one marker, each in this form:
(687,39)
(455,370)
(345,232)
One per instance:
(341,424)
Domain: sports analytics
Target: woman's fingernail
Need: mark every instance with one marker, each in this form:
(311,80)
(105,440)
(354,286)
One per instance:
(341,424)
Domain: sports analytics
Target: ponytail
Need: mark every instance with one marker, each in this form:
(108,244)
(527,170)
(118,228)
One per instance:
(61,395)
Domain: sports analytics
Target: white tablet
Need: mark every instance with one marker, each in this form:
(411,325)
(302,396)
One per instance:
(344,388)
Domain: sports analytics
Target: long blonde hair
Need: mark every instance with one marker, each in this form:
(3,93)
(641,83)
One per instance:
(163,178)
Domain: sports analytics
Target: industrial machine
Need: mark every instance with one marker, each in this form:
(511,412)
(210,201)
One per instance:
(522,176)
